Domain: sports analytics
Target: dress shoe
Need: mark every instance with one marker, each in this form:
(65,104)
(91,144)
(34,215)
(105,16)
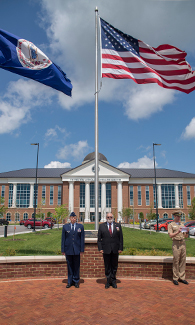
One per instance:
(183,281)
(76,285)
(68,285)
(175,282)
(107,285)
(114,285)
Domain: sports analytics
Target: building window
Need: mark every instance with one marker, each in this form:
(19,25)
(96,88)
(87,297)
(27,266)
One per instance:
(35,187)
(108,195)
(188,196)
(23,195)
(131,194)
(154,195)
(168,195)
(139,195)
(82,216)
(92,195)
(82,195)
(3,192)
(43,194)
(8,216)
(17,216)
(147,196)
(183,218)
(180,190)
(10,195)
(92,216)
(59,194)
(25,216)
(165,216)
(51,195)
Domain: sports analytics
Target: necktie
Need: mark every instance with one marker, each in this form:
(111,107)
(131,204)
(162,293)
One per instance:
(110,229)
(73,227)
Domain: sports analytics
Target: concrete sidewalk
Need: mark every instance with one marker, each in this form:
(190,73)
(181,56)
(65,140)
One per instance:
(135,301)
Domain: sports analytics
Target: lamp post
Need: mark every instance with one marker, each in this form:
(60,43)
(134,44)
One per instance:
(155,144)
(35,204)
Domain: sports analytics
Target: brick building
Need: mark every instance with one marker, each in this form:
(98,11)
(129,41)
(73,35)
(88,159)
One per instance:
(118,188)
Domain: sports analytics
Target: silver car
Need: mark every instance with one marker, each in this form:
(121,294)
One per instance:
(149,224)
(192,231)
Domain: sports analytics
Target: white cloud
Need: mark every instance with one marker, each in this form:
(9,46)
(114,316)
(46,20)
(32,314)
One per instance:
(69,26)
(20,97)
(58,164)
(143,162)
(55,134)
(189,132)
(144,100)
(11,116)
(77,150)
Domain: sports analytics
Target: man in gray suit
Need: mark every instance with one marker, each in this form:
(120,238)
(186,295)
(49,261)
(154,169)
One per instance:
(110,244)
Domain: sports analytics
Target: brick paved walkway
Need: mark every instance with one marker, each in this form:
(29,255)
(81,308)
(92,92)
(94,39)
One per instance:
(136,302)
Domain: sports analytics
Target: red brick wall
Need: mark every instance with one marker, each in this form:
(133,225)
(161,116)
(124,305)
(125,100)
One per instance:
(92,266)
(114,202)
(126,199)
(76,197)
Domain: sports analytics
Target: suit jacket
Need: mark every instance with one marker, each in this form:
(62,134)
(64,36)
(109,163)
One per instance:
(72,241)
(109,243)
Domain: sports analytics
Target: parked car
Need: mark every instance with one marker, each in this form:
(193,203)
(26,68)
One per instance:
(51,219)
(189,223)
(3,222)
(192,231)
(45,224)
(149,224)
(22,222)
(162,226)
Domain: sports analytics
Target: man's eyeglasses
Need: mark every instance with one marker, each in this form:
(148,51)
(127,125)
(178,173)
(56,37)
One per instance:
(109,218)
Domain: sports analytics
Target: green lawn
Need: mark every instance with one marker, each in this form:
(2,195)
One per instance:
(48,242)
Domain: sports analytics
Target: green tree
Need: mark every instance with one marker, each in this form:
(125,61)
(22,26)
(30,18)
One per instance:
(151,215)
(61,212)
(3,209)
(191,210)
(40,214)
(126,214)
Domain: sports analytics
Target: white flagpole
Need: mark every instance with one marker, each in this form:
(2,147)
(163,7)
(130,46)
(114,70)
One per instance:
(96,125)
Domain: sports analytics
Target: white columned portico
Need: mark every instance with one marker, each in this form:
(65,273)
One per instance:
(159,196)
(14,195)
(103,201)
(87,201)
(71,196)
(176,196)
(119,199)
(31,195)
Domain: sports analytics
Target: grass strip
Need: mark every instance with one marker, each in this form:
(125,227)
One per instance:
(48,242)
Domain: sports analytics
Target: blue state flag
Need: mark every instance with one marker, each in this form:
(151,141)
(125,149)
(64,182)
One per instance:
(24,58)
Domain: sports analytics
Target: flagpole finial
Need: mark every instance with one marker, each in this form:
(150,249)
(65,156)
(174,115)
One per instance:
(96,9)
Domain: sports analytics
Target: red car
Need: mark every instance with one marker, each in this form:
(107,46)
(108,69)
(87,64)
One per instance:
(163,226)
(38,223)
(22,222)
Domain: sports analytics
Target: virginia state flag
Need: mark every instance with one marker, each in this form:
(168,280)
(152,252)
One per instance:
(24,58)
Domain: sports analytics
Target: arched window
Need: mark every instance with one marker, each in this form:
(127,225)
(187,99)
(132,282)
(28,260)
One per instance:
(17,216)
(25,216)
(165,216)
(8,216)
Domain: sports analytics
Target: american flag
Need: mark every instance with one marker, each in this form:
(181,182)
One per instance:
(125,57)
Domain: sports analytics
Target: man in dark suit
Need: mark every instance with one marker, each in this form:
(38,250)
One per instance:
(110,244)
(72,245)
